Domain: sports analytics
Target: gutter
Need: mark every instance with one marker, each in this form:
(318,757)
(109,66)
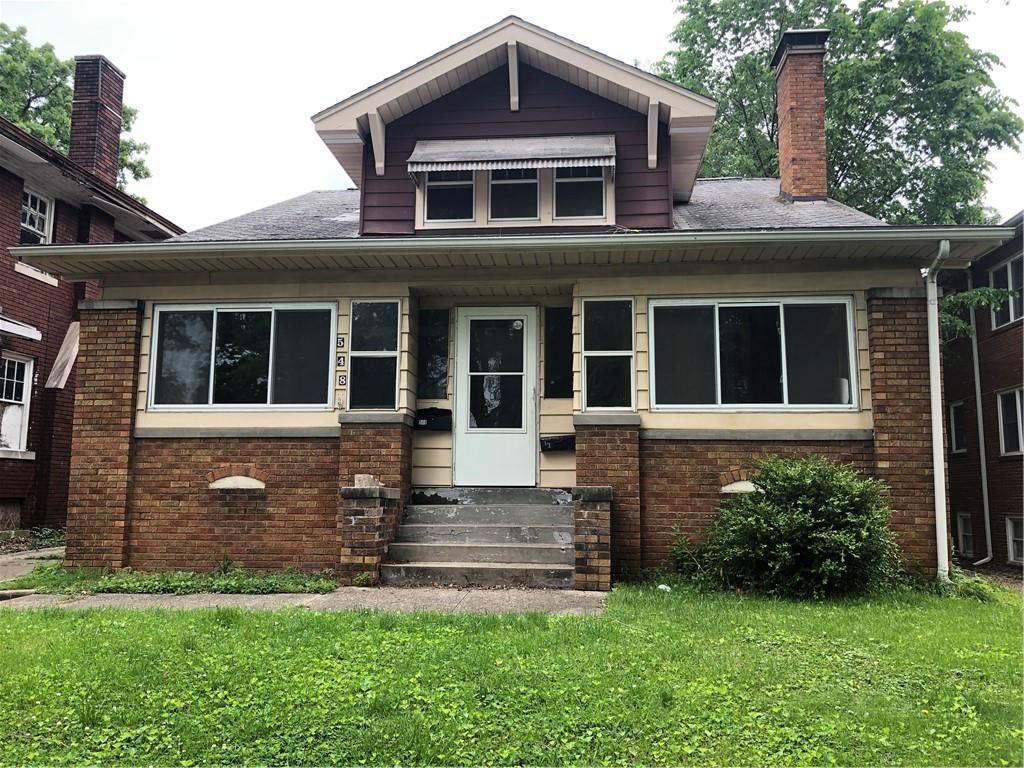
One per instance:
(935,392)
(980,418)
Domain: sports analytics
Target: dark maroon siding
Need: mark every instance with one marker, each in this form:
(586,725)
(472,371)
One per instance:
(547,107)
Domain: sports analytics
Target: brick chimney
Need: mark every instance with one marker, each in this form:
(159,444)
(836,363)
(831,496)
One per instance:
(800,85)
(96,116)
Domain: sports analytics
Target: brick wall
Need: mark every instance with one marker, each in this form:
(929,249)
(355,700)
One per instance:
(96,116)
(801,107)
(383,450)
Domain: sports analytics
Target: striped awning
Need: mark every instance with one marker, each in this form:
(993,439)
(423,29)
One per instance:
(505,154)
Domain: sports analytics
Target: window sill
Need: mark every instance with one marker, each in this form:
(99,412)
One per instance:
(7,453)
(36,274)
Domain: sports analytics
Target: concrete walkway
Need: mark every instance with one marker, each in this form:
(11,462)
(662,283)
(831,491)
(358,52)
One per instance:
(15,564)
(396,599)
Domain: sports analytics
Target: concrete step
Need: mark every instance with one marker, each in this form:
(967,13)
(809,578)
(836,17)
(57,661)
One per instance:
(476,533)
(495,496)
(413,552)
(492,514)
(477,574)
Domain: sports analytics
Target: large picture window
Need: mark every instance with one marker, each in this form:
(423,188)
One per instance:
(373,355)
(752,354)
(450,196)
(1008,275)
(242,356)
(608,354)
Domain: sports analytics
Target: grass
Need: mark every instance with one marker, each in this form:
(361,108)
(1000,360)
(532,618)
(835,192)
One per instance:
(53,578)
(678,677)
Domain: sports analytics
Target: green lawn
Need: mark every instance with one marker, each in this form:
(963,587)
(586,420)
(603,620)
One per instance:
(661,678)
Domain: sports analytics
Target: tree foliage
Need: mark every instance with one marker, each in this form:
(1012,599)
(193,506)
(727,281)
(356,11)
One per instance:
(35,94)
(911,108)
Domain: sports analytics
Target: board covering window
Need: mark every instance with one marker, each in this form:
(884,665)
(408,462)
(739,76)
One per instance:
(514,194)
(608,354)
(36,218)
(450,196)
(242,357)
(432,355)
(558,352)
(957,428)
(1011,417)
(579,193)
(15,397)
(758,353)
(373,355)
(1008,275)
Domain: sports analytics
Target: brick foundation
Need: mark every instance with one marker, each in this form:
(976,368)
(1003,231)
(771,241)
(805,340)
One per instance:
(593,538)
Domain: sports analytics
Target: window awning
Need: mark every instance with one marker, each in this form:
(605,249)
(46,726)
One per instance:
(12,327)
(505,154)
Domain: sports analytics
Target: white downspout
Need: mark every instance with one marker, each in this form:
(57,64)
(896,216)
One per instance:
(935,390)
(981,432)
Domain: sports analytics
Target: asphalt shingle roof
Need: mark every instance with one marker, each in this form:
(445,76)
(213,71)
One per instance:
(717,204)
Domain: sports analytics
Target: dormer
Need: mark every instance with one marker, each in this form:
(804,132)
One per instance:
(518,128)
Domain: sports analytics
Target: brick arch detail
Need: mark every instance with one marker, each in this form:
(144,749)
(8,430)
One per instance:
(236,470)
(734,474)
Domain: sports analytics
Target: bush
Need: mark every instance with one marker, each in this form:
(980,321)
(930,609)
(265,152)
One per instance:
(811,529)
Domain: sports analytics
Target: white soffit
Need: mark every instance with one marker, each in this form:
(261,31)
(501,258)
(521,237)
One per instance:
(689,115)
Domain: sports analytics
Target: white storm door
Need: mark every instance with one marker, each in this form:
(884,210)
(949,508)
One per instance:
(495,396)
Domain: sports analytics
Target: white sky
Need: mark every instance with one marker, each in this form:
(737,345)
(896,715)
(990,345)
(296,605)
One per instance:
(225,88)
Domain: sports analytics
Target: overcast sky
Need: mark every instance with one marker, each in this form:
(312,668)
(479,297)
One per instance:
(225,89)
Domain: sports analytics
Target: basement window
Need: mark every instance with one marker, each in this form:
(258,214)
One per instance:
(450,196)
(957,429)
(579,193)
(230,357)
(1011,416)
(1015,539)
(15,394)
(373,355)
(608,371)
(965,533)
(36,218)
(752,354)
(1008,275)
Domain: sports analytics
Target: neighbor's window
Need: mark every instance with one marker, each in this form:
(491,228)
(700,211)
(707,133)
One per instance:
(514,194)
(432,355)
(753,353)
(1011,416)
(450,196)
(242,356)
(965,533)
(957,430)
(579,193)
(558,352)
(36,218)
(15,394)
(1015,539)
(608,353)
(1008,276)
(373,355)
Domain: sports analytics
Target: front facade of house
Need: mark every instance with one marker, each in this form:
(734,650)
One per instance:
(47,197)
(549,346)
(983,386)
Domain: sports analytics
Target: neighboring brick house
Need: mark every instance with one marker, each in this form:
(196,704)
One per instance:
(986,466)
(529,349)
(47,197)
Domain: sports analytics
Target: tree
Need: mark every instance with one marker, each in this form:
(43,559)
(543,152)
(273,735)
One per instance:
(911,109)
(35,95)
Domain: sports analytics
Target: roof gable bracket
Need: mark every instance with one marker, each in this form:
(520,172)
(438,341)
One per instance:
(513,76)
(652,134)
(377,140)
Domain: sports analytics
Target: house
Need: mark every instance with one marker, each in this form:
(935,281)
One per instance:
(983,378)
(48,197)
(528,350)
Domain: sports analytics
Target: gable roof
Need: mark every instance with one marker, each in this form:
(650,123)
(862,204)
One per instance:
(362,118)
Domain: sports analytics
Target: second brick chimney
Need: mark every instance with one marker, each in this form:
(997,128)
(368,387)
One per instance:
(800,82)
(96,116)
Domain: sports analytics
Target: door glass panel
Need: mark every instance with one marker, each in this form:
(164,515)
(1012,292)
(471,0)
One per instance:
(496,402)
(496,346)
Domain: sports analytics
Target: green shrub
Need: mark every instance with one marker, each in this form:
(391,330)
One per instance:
(811,529)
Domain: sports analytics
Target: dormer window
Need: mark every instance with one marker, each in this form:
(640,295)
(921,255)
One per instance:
(515,195)
(579,193)
(450,196)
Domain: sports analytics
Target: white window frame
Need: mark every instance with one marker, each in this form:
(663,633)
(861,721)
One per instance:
(1005,264)
(1020,421)
(210,406)
(584,354)
(953,446)
(26,396)
(961,547)
(427,184)
(491,182)
(760,301)
(397,353)
(1009,538)
(47,233)
(590,180)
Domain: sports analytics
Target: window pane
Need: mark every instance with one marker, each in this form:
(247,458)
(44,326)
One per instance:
(684,355)
(609,382)
(374,326)
(580,172)
(751,355)
(818,354)
(183,358)
(496,346)
(372,382)
(1000,279)
(496,402)
(608,326)
(558,352)
(514,201)
(302,356)
(29,238)
(1016,278)
(450,202)
(579,198)
(242,358)
(957,433)
(1011,430)
(432,362)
